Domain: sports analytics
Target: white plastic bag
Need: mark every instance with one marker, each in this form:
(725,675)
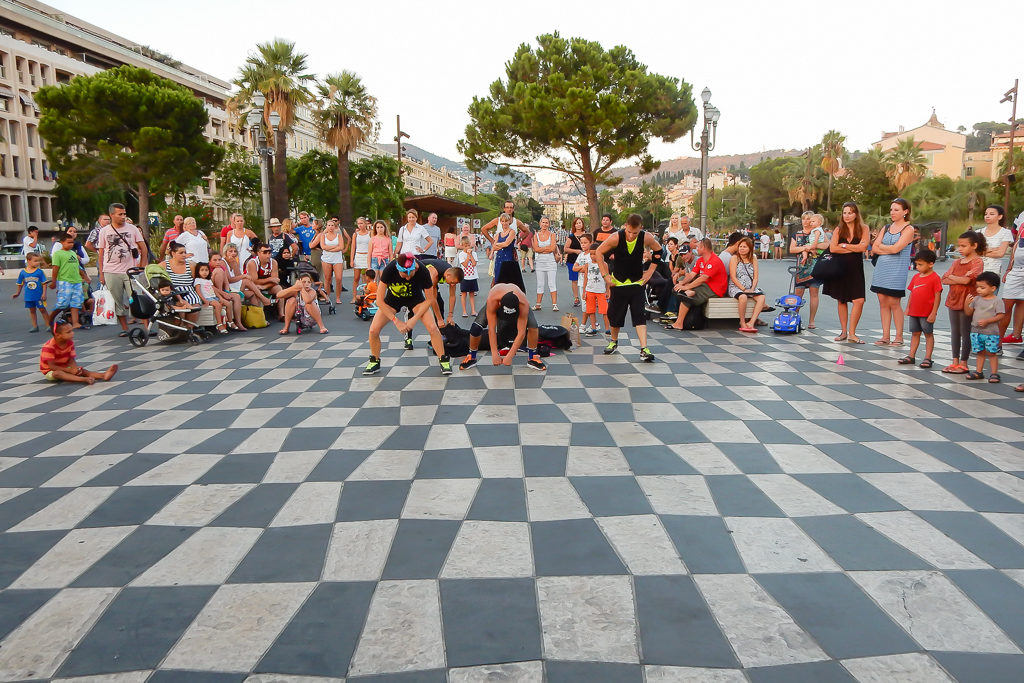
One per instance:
(103,313)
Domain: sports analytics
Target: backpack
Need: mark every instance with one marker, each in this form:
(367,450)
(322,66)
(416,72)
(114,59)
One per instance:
(554,336)
(456,340)
(695,319)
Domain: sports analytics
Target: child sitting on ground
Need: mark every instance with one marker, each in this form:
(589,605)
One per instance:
(986,311)
(594,288)
(922,307)
(33,279)
(301,302)
(57,358)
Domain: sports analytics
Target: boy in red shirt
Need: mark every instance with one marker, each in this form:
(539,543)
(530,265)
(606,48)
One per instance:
(922,306)
(57,359)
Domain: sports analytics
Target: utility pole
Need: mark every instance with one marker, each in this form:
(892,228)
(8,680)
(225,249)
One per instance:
(476,183)
(398,142)
(1011,96)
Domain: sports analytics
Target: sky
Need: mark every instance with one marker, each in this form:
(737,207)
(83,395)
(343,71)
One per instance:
(782,72)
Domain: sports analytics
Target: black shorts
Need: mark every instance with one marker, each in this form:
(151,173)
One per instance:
(623,298)
(409,302)
(467,286)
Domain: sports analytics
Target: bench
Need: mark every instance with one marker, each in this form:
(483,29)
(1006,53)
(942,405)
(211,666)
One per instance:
(723,308)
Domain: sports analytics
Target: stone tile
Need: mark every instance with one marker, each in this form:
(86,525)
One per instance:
(490,550)
(914,667)
(588,618)
(704,543)
(138,628)
(258,507)
(490,620)
(499,461)
(553,498)
(643,544)
(140,550)
(606,496)
(928,605)
(760,631)
(849,492)
(286,554)
(521,672)
(131,505)
(311,503)
(837,614)
(71,556)
(358,550)
(206,558)
(688,674)
(976,492)
(420,548)
(588,554)
(402,630)
(676,626)
(365,500)
(980,536)
(450,463)
(924,540)
(320,639)
(500,500)
(586,672)
(854,545)
(915,491)
(200,504)
(810,672)
(678,495)
(440,498)
(66,512)
(997,595)
(970,667)
(237,626)
(793,497)
(736,495)
(387,465)
(17,606)
(38,647)
(776,545)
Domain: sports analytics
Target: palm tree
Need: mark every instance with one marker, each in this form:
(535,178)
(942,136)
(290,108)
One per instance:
(278,72)
(904,164)
(832,149)
(798,181)
(345,115)
(627,200)
(969,194)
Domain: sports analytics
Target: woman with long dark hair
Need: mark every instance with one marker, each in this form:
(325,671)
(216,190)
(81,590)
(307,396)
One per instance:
(889,282)
(849,242)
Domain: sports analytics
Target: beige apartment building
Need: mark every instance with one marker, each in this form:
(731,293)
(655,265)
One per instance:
(422,178)
(943,149)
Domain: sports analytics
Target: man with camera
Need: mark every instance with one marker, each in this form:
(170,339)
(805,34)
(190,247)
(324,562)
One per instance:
(119,247)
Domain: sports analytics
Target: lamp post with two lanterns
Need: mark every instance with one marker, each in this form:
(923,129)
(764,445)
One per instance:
(262,150)
(707,143)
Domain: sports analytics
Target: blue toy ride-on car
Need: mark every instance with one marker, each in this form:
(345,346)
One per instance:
(788,321)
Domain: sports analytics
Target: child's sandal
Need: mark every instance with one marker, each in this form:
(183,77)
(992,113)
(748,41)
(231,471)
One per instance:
(1019,388)
(906,360)
(926,363)
(994,378)
(974,374)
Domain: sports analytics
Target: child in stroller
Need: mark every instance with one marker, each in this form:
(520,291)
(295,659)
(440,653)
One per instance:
(161,312)
(366,295)
(304,267)
(301,302)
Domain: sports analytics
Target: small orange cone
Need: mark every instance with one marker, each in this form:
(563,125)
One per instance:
(840,361)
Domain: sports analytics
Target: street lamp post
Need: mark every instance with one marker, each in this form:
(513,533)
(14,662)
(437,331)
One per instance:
(263,151)
(708,135)
(398,142)
(1010,96)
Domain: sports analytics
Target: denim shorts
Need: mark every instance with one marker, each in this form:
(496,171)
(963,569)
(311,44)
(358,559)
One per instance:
(989,343)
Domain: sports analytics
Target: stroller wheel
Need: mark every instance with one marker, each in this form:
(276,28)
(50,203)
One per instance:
(138,337)
(194,339)
(331,309)
(298,330)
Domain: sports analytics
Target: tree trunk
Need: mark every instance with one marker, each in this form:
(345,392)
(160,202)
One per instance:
(828,201)
(143,224)
(344,192)
(590,187)
(279,204)
(270,159)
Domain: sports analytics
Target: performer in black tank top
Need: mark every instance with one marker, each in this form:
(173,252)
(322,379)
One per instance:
(627,279)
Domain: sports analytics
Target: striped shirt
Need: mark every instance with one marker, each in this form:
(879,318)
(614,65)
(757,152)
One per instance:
(61,356)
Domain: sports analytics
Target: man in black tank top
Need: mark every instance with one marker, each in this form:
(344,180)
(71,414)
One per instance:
(627,279)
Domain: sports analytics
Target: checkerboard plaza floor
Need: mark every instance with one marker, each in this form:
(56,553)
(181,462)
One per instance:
(743,509)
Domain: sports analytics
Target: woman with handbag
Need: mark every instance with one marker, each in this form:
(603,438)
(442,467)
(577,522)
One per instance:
(849,242)
(743,278)
(891,251)
(806,244)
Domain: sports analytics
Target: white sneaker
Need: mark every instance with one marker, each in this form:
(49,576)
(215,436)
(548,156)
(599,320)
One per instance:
(589,331)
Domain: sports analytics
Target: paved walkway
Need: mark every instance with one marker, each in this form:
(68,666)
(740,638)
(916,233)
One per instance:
(742,509)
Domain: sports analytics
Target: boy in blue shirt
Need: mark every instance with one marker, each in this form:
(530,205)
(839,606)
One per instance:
(33,279)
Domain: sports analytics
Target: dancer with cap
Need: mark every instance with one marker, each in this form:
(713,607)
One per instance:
(506,317)
(439,270)
(405,280)
(627,279)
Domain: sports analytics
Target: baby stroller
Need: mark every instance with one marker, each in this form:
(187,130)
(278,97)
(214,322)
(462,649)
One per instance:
(365,308)
(306,267)
(789,321)
(163,320)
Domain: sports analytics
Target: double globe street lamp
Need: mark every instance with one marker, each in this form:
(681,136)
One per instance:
(707,143)
(262,150)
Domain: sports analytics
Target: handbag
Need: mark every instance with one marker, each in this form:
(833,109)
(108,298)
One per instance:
(254,317)
(826,267)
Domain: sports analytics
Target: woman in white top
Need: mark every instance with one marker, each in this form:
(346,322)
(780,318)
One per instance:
(997,237)
(412,237)
(242,238)
(674,230)
(219,277)
(1012,291)
(546,257)
(332,245)
(237,281)
(360,256)
(197,247)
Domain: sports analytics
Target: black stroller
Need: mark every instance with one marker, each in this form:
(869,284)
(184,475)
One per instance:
(162,319)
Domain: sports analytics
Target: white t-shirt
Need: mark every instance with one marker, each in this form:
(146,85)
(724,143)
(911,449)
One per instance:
(681,237)
(26,245)
(995,265)
(195,245)
(469,273)
(595,283)
(766,241)
(726,256)
(412,240)
(695,232)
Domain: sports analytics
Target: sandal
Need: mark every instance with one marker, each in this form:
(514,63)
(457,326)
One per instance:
(537,307)
(994,378)
(841,337)
(896,342)
(974,374)
(907,360)
(1019,388)
(855,340)
(283,332)
(124,333)
(811,326)
(954,369)
(926,363)
(883,342)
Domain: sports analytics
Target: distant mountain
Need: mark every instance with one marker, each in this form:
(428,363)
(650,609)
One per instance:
(456,167)
(715,163)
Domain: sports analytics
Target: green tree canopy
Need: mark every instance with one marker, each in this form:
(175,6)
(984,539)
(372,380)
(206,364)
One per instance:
(571,106)
(126,127)
(767,187)
(238,185)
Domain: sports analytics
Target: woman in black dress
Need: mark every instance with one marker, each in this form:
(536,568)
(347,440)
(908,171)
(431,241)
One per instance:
(849,242)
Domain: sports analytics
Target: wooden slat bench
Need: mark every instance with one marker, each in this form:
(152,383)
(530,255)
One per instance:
(722,308)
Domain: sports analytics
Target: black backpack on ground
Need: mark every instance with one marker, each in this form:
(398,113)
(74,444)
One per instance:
(456,340)
(554,336)
(695,319)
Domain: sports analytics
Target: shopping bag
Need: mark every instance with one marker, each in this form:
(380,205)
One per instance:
(253,317)
(103,313)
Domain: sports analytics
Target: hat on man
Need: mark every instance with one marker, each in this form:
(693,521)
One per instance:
(275,223)
(509,306)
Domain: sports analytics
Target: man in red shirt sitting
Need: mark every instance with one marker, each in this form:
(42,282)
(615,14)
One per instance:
(707,279)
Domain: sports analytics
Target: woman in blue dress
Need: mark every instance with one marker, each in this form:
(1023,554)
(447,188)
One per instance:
(504,247)
(892,246)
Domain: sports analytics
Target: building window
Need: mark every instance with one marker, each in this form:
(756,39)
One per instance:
(13,136)
(15,208)
(44,210)
(969,171)
(30,135)
(5,204)
(33,209)
(3,65)
(32,168)
(16,166)
(5,104)
(44,74)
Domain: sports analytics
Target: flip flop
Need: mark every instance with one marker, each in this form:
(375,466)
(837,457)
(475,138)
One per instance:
(324,331)
(896,342)
(124,333)
(672,328)
(1019,388)
(883,342)
(854,340)
(283,332)
(841,337)
(811,326)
